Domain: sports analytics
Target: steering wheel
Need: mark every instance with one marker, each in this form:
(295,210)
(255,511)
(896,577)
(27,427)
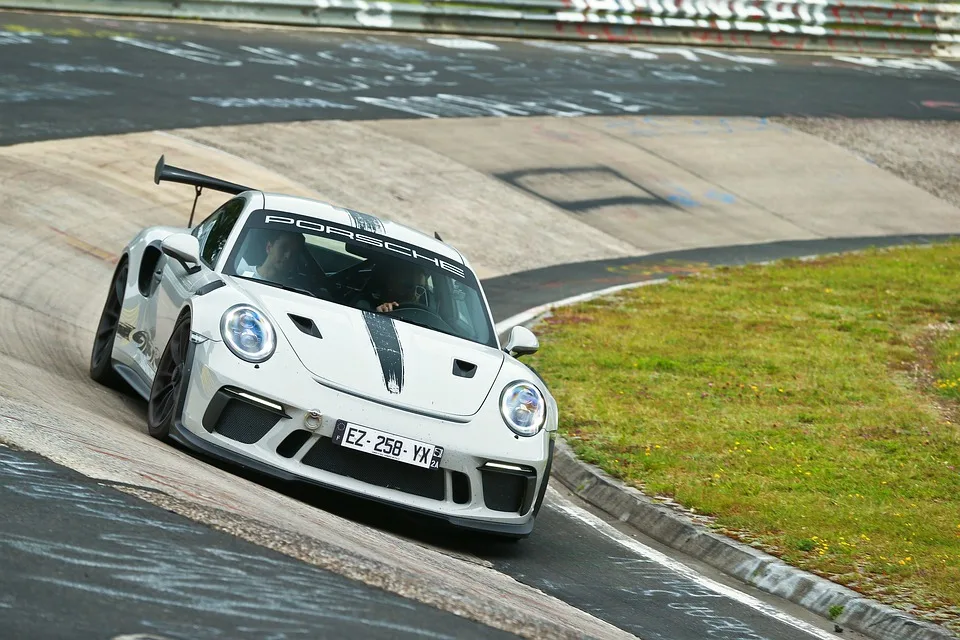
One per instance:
(413,306)
(307,266)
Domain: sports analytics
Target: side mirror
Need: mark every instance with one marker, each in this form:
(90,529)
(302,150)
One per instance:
(184,248)
(521,342)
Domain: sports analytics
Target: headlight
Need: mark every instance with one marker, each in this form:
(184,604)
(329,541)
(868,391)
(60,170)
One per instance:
(523,408)
(248,333)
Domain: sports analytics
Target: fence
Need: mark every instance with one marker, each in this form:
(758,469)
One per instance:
(855,26)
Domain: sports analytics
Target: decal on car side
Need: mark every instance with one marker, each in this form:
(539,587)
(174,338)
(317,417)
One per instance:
(386,343)
(144,342)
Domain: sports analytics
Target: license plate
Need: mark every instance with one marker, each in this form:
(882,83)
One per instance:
(387,445)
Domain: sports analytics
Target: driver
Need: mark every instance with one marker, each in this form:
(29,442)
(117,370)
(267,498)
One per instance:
(404,284)
(281,251)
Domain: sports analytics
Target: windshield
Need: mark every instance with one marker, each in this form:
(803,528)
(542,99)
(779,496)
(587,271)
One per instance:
(363,270)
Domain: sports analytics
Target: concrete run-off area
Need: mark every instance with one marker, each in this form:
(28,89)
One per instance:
(562,191)
(569,190)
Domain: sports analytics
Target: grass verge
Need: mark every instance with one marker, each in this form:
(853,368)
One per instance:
(810,407)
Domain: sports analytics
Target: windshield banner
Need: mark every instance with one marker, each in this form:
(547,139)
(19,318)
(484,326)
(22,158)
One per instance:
(280,219)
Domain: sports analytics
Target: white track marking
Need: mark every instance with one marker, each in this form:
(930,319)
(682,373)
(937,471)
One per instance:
(564,506)
(463,43)
(530,314)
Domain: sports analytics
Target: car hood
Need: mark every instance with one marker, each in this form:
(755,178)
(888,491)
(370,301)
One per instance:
(377,357)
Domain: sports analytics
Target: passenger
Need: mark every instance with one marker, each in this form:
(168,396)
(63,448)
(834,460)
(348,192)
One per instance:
(281,252)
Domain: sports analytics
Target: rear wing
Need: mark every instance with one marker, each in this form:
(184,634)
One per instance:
(170,173)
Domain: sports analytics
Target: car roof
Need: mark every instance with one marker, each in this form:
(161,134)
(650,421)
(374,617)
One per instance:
(368,222)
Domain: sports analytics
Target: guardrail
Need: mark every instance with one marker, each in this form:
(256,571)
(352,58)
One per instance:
(859,26)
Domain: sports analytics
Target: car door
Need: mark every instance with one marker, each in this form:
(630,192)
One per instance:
(177,284)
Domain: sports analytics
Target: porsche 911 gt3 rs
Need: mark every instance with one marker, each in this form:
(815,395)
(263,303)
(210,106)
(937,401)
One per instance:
(313,342)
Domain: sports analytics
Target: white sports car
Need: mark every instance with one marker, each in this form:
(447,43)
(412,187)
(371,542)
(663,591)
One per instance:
(316,343)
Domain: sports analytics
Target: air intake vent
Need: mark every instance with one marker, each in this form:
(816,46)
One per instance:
(464,369)
(508,487)
(460,484)
(306,325)
(375,470)
(293,443)
(244,422)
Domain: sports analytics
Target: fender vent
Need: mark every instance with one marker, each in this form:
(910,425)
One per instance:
(464,369)
(306,325)
(210,286)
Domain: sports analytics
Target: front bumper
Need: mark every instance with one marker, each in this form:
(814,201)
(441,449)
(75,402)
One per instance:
(260,417)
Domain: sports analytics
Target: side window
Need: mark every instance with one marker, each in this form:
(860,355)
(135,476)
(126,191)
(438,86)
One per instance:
(459,300)
(202,230)
(214,231)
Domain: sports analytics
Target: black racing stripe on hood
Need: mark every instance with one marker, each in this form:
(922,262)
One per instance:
(383,337)
(366,222)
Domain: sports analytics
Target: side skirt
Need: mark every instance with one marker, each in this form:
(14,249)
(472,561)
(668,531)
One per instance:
(132,378)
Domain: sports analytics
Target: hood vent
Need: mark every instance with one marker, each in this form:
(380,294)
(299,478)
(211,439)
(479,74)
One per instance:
(306,325)
(464,369)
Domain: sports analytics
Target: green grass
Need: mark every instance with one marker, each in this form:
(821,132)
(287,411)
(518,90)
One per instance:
(947,362)
(809,407)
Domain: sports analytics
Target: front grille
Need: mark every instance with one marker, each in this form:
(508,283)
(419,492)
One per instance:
(503,491)
(245,422)
(365,467)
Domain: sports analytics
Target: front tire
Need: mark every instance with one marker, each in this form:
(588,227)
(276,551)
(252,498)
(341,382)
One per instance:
(164,405)
(101,356)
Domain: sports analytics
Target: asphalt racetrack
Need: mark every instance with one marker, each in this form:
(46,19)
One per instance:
(65,77)
(101,564)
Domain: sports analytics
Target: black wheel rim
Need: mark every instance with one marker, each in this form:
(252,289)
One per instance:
(165,393)
(103,343)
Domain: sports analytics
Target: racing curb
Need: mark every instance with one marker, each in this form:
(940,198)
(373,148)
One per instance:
(680,531)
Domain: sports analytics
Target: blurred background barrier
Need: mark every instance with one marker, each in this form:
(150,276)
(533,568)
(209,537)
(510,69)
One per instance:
(855,26)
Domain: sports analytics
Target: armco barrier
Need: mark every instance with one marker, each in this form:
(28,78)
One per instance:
(860,26)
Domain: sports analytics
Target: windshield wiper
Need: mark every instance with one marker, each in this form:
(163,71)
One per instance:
(285,287)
